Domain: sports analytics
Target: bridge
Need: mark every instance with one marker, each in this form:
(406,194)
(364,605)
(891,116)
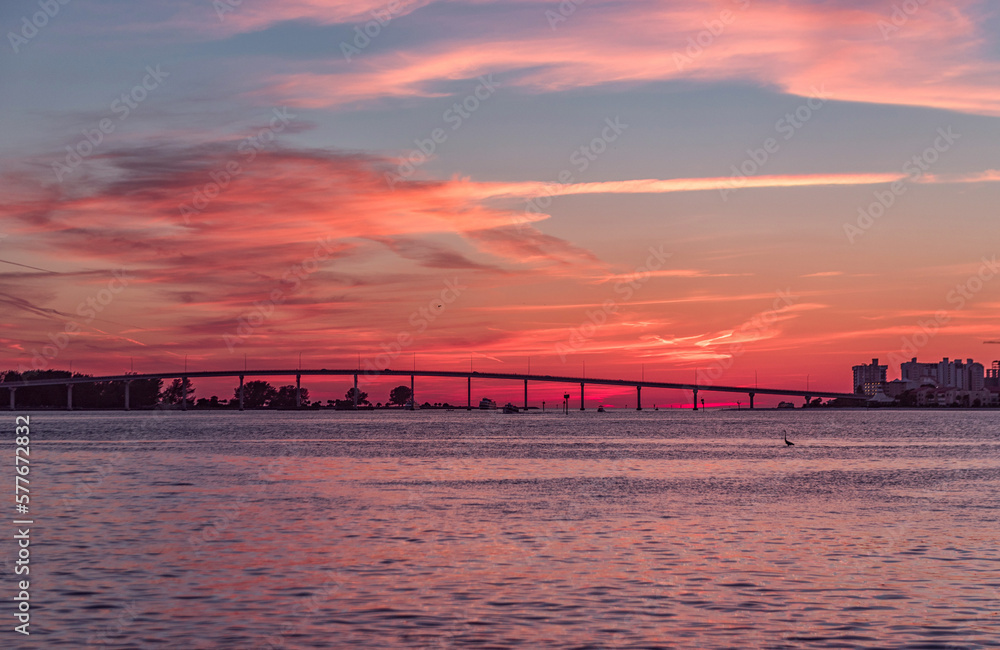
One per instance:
(752,391)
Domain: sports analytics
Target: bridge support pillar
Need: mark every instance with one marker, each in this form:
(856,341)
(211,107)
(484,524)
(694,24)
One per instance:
(638,398)
(808,398)
(128,385)
(695,399)
(355,392)
(184,393)
(581,396)
(298,391)
(241,392)
(526,395)
(468,394)
(751,400)
(11,391)
(413,396)
(69,397)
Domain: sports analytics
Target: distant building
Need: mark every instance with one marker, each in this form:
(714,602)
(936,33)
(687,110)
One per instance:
(958,397)
(966,376)
(880,397)
(925,396)
(868,379)
(918,374)
(992,379)
(895,388)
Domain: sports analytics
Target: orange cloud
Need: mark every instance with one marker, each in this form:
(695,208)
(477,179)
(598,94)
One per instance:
(318,238)
(288,196)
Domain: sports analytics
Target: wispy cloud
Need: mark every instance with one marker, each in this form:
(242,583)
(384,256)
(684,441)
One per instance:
(822,274)
(483,190)
(794,47)
(671,273)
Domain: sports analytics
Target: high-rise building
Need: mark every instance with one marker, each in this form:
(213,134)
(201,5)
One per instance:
(993,376)
(917,374)
(868,379)
(963,375)
(976,373)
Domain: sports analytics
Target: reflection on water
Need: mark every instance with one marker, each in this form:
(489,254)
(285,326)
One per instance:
(453,529)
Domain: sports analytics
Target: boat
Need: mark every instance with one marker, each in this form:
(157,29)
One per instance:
(786,405)
(600,409)
(486,404)
(510,408)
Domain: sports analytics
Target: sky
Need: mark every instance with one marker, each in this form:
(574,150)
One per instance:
(724,192)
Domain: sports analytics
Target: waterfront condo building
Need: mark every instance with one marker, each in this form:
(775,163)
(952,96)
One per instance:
(868,379)
(967,375)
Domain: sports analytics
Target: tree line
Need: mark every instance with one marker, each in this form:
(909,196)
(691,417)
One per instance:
(151,393)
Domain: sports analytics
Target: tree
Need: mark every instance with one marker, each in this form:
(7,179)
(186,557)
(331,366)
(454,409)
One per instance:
(285,398)
(362,396)
(36,396)
(256,394)
(144,392)
(400,395)
(174,393)
(101,394)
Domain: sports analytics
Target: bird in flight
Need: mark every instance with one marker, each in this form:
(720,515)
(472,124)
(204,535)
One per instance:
(787,441)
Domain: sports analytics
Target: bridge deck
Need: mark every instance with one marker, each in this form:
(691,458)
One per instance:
(436,373)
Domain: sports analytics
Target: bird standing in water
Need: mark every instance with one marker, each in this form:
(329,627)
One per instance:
(787,442)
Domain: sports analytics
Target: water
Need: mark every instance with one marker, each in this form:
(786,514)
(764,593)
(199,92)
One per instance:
(455,529)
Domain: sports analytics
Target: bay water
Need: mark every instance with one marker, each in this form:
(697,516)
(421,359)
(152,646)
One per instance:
(448,529)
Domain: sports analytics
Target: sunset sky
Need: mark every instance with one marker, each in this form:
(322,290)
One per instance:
(686,189)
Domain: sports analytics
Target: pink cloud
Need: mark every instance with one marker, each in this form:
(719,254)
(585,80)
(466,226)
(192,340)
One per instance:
(799,48)
(322,229)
